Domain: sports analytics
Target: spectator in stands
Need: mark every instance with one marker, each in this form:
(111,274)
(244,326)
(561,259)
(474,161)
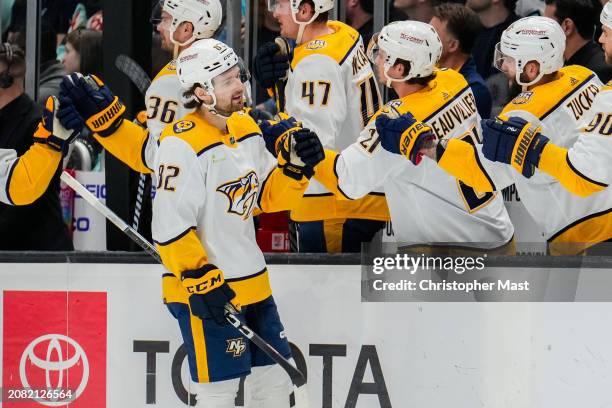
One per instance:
(578,19)
(526,8)
(84,52)
(56,12)
(5,16)
(457,27)
(38,226)
(359,15)
(495,16)
(419,10)
(84,55)
(51,70)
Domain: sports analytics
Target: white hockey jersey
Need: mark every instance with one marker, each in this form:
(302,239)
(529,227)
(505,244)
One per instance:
(163,102)
(209,184)
(24,179)
(427,205)
(559,107)
(590,158)
(332,90)
(136,146)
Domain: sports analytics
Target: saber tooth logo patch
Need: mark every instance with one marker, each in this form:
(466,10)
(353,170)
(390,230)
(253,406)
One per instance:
(242,194)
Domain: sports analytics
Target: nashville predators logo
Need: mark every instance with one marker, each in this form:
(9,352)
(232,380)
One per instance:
(315,45)
(236,347)
(183,126)
(522,98)
(172,65)
(241,194)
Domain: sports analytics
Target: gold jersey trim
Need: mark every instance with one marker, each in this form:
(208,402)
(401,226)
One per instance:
(337,45)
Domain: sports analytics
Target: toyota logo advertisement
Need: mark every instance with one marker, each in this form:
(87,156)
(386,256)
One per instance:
(54,349)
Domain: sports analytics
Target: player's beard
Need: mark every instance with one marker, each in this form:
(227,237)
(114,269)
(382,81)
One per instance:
(230,107)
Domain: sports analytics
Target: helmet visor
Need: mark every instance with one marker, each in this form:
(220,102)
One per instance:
(156,13)
(500,59)
(273,5)
(373,48)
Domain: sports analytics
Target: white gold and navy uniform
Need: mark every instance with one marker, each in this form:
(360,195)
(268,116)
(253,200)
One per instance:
(558,107)
(24,179)
(136,146)
(584,168)
(332,90)
(209,185)
(163,102)
(427,205)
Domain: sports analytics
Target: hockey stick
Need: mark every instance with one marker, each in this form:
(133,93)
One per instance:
(132,70)
(142,81)
(279,87)
(297,378)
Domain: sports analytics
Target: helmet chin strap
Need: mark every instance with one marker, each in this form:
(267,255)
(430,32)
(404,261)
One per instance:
(212,108)
(526,85)
(391,80)
(178,44)
(302,25)
(300,33)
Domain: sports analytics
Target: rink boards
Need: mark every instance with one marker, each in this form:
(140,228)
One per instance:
(121,348)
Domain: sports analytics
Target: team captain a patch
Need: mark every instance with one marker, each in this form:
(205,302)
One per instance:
(183,126)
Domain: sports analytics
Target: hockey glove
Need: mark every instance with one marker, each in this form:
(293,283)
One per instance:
(259,115)
(300,152)
(101,109)
(51,132)
(275,133)
(141,119)
(404,135)
(270,65)
(515,142)
(209,295)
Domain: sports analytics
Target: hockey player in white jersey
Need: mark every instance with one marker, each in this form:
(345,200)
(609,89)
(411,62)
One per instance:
(213,171)
(585,167)
(331,89)
(427,205)
(25,178)
(555,99)
(182,22)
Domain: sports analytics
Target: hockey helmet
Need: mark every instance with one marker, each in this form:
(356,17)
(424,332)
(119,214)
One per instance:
(412,41)
(536,38)
(205,15)
(202,62)
(606,15)
(320,6)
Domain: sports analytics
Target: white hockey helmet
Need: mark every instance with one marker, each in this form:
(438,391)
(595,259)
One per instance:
(320,6)
(202,62)
(412,41)
(536,38)
(205,15)
(606,15)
